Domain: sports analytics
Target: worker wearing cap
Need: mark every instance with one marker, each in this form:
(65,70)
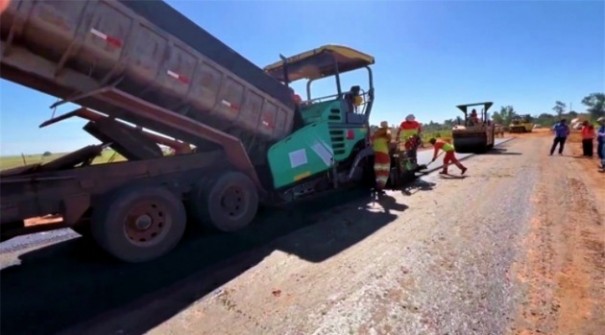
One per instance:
(409,134)
(382,161)
(450,155)
(408,128)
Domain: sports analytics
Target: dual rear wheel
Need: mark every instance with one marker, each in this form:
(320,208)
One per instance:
(138,224)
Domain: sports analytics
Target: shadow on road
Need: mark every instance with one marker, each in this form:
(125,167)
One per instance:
(451,176)
(502,151)
(62,285)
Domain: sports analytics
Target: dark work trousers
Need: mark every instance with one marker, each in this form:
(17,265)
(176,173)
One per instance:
(600,149)
(561,142)
(587,147)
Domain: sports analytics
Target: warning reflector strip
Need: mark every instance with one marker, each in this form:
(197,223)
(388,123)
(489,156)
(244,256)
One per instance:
(268,124)
(113,41)
(178,77)
(231,106)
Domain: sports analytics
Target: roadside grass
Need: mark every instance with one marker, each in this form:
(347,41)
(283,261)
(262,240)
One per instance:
(9,162)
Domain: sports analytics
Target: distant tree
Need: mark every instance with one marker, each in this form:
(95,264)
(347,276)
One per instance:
(559,108)
(507,113)
(596,104)
(447,124)
(497,117)
(572,114)
(46,154)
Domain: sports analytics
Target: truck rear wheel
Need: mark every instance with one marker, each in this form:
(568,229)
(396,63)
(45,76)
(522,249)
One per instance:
(139,224)
(227,203)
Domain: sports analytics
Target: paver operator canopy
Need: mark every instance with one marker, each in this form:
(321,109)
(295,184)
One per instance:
(322,62)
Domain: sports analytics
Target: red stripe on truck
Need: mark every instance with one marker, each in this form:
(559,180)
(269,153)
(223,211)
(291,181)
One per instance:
(111,40)
(231,106)
(178,77)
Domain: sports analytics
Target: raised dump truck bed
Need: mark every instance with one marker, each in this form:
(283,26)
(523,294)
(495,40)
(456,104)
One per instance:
(146,77)
(146,49)
(177,24)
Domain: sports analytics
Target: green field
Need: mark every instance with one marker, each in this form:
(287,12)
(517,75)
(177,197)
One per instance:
(9,162)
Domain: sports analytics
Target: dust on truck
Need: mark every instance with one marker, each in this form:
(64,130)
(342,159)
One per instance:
(145,77)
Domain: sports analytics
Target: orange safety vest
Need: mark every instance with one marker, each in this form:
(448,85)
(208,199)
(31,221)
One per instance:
(407,129)
(381,140)
(445,146)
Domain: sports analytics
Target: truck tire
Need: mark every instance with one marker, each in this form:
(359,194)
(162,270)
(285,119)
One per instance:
(139,224)
(226,203)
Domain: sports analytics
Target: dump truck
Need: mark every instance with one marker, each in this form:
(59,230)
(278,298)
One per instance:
(521,124)
(477,134)
(145,77)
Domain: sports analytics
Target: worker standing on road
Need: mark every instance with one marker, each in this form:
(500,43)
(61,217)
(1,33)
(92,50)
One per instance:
(561,132)
(588,136)
(601,140)
(409,135)
(382,161)
(408,128)
(450,155)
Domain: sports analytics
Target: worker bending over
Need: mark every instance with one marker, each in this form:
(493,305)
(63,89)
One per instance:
(450,155)
(382,161)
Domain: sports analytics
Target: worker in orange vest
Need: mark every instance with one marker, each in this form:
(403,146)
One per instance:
(408,128)
(409,134)
(450,155)
(382,161)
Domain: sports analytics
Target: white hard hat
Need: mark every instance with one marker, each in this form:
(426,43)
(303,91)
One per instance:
(410,117)
(601,119)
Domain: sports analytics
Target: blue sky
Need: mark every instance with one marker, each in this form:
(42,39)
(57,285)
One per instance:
(430,56)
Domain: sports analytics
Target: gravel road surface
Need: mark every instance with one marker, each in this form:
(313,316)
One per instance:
(504,250)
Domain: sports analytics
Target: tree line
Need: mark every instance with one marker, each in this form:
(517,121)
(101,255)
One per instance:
(594,102)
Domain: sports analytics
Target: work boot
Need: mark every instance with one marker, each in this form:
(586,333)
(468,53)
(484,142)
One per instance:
(463,170)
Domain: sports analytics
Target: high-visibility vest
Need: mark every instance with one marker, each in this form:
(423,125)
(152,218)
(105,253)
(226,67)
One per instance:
(446,146)
(380,142)
(407,129)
